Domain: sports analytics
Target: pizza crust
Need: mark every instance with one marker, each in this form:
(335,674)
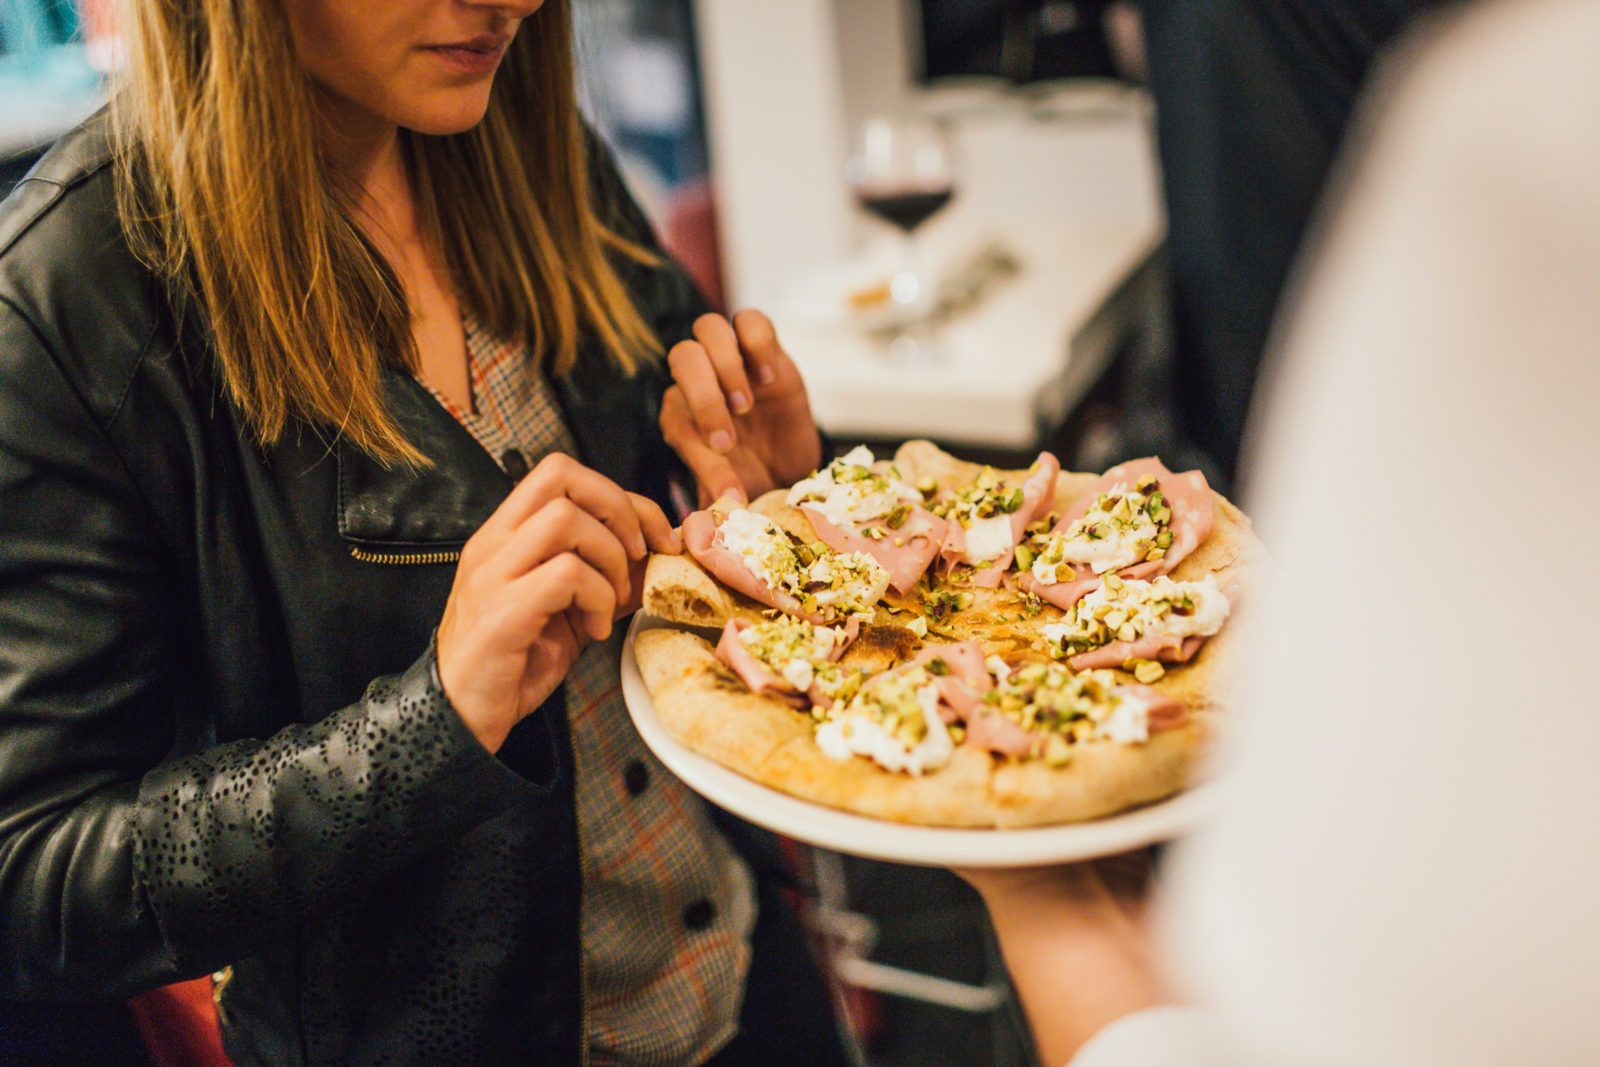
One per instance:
(707,708)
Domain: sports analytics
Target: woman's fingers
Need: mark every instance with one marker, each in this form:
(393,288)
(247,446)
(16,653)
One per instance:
(658,532)
(722,346)
(712,469)
(562,526)
(696,378)
(558,476)
(764,357)
(564,584)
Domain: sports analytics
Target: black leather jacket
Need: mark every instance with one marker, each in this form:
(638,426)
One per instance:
(222,736)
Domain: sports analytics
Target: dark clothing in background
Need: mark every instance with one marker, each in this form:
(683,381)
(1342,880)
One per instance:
(1252,100)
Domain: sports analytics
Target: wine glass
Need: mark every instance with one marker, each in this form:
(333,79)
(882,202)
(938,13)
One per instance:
(903,172)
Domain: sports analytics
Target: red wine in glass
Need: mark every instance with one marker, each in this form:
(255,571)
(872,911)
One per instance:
(906,208)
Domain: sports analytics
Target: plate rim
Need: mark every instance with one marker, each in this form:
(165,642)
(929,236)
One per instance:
(881,839)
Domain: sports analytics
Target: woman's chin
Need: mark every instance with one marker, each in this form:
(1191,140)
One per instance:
(455,113)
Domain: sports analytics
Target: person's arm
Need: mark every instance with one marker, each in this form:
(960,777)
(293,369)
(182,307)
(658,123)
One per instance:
(122,868)
(1074,942)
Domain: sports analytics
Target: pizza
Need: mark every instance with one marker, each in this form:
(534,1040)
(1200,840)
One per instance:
(937,642)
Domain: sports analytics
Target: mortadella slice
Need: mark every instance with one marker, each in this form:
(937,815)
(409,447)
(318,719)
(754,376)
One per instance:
(700,538)
(1163,648)
(1162,712)
(751,671)
(994,732)
(1193,510)
(905,552)
(960,691)
(1038,494)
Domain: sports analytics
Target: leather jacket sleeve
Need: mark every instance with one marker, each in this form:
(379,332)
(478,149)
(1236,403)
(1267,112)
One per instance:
(121,866)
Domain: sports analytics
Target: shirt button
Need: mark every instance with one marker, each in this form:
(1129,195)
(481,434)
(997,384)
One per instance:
(698,915)
(515,464)
(636,776)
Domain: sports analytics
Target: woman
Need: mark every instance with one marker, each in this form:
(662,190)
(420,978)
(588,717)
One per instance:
(332,440)
(1404,872)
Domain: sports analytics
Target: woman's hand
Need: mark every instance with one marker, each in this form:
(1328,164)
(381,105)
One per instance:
(1074,940)
(737,412)
(558,562)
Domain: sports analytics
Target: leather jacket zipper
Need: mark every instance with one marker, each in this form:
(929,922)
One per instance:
(219,985)
(448,555)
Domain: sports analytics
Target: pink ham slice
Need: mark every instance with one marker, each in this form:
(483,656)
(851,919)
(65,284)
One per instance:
(994,732)
(920,537)
(700,538)
(1189,496)
(961,691)
(1162,712)
(751,671)
(757,675)
(1038,494)
(1163,649)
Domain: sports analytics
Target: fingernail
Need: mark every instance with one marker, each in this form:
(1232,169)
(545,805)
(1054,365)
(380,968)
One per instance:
(740,403)
(737,494)
(766,375)
(721,441)
(640,549)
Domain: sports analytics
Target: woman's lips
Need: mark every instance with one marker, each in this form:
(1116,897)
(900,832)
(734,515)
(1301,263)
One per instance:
(472,57)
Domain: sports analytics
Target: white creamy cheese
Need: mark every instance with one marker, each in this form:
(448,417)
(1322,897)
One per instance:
(854,734)
(988,538)
(1128,723)
(1056,632)
(855,500)
(1134,604)
(1137,599)
(799,673)
(1121,548)
(857,579)
(1123,535)
(757,540)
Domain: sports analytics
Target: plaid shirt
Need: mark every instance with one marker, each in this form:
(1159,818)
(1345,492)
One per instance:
(667,905)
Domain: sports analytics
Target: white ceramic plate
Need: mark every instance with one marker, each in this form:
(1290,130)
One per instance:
(928,846)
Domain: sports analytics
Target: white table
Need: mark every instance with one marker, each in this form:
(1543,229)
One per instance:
(1005,373)
(1076,201)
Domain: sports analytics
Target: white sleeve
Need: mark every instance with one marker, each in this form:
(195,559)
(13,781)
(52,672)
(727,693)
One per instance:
(1407,871)
(1167,1036)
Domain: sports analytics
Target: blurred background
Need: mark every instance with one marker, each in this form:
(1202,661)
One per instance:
(1006,225)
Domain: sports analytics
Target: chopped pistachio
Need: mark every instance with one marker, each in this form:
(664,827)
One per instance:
(1147,671)
(1057,751)
(898,516)
(1146,483)
(927,486)
(1155,554)
(1025,557)
(938,667)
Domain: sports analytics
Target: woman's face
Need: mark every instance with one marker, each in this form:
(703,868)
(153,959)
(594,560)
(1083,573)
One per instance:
(426,65)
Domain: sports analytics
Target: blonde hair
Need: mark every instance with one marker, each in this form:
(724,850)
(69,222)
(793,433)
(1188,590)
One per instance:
(223,191)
